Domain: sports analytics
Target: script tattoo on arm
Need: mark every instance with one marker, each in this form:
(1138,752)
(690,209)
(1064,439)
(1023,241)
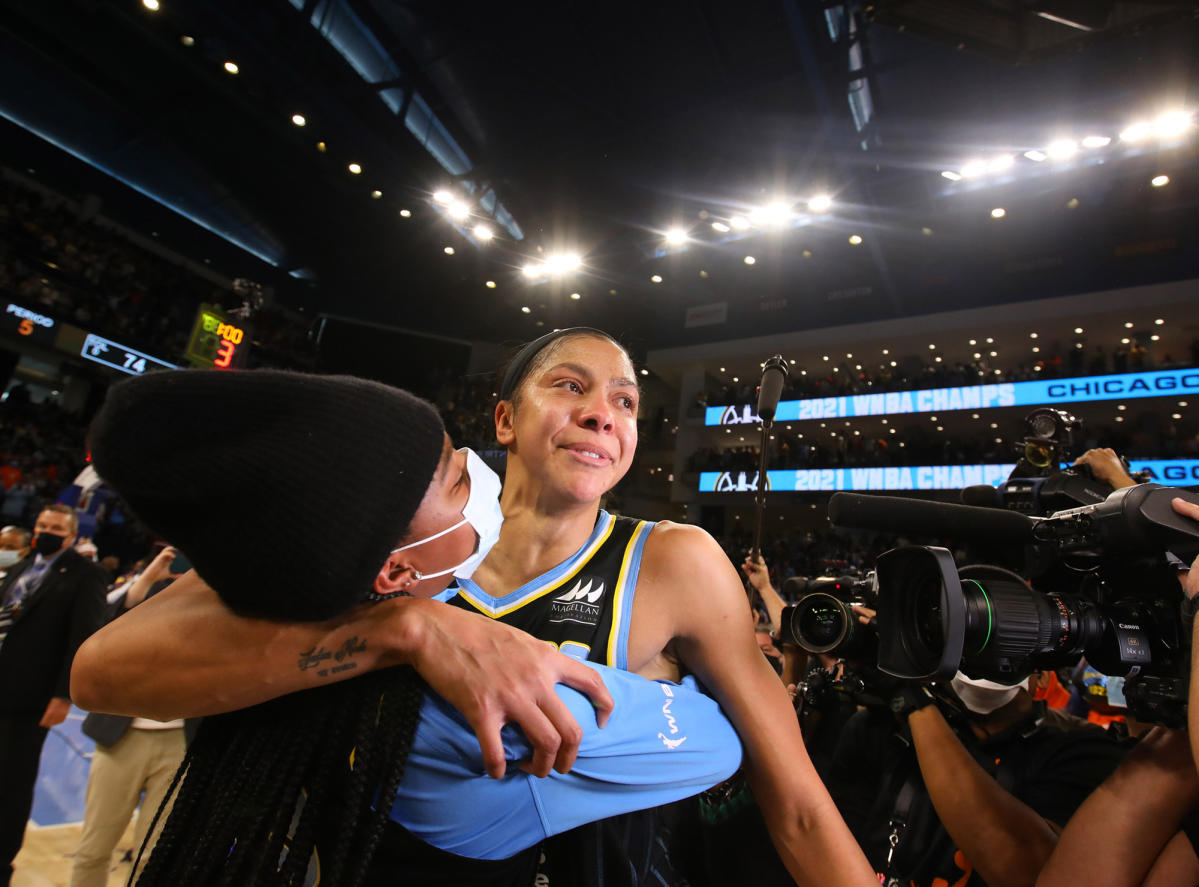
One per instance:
(343,657)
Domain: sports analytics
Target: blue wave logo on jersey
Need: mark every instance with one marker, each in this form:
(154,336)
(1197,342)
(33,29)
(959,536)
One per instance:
(579,603)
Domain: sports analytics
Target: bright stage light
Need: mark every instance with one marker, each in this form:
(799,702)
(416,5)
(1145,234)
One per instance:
(405,214)
(482,232)
(721,227)
(557,264)
(1000,163)
(749,260)
(458,210)
(676,236)
(775,213)
(443,197)
(1171,124)
(998,212)
(855,239)
(1136,133)
(231,67)
(355,169)
(490,284)
(449,250)
(1159,181)
(1062,149)
(1096,141)
(299,119)
(820,203)
(1036,156)
(951,175)
(532,271)
(973,168)
(657,278)
(739,222)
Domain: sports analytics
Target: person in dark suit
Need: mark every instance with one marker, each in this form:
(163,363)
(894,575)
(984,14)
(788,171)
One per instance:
(133,755)
(49,603)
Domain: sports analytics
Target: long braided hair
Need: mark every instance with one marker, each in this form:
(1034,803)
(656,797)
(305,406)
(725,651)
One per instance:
(306,779)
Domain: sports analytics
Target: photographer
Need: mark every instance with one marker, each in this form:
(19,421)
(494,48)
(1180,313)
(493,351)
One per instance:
(976,782)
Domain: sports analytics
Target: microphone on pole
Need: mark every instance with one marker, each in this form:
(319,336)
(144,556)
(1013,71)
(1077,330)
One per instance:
(770,389)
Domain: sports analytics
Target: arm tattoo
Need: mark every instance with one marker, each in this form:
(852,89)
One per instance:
(343,657)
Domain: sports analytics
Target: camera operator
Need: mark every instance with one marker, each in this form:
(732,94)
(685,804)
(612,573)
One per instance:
(794,659)
(981,801)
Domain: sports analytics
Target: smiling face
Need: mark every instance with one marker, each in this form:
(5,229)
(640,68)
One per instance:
(571,427)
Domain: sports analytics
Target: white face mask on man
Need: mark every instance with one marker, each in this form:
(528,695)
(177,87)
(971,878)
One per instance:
(983,697)
(8,557)
(482,512)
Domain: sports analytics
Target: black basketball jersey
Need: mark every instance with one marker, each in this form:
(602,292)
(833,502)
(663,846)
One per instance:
(584,605)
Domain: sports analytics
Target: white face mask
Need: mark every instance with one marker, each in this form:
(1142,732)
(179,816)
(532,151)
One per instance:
(482,512)
(8,557)
(982,697)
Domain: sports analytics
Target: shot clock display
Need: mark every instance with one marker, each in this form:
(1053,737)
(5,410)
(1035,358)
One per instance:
(216,341)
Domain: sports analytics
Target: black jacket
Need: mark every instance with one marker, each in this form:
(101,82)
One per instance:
(53,620)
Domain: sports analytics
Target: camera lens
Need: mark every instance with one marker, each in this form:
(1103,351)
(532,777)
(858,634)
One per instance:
(821,622)
(1037,455)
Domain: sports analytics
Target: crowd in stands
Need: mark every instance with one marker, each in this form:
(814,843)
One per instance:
(41,451)
(57,259)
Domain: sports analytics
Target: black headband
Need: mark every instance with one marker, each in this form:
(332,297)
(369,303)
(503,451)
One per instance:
(520,363)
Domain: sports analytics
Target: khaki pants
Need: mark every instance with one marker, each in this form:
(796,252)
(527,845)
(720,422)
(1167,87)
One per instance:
(140,761)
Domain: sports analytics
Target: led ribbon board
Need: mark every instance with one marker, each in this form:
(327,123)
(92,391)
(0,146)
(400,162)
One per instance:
(1167,472)
(119,357)
(215,342)
(1162,383)
(29,324)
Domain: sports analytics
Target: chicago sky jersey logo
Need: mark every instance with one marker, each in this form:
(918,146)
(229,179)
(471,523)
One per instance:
(579,603)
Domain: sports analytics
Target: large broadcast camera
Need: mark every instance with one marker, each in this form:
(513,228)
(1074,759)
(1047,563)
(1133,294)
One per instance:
(1096,583)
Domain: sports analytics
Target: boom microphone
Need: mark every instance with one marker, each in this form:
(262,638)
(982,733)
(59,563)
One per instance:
(923,518)
(774,374)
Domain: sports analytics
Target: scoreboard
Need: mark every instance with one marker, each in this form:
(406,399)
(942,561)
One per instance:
(216,341)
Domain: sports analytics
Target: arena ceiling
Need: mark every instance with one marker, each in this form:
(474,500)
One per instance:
(594,129)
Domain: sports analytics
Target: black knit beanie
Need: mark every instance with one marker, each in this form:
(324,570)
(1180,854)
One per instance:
(287,491)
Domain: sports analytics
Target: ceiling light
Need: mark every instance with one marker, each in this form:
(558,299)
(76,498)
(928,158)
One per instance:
(739,223)
(1121,407)
(231,67)
(1155,338)
(855,239)
(151,5)
(676,236)
(1062,149)
(1072,203)
(1128,324)
(990,340)
(1000,163)
(449,250)
(376,194)
(775,213)
(1136,132)
(490,284)
(1171,124)
(1036,156)
(1159,181)
(1125,341)
(187,40)
(458,210)
(721,227)
(932,347)
(886,351)
(926,231)
(405,214)
(299,119)
(1176,416)
(322,147)
(1078,330)
(525,309)
(1096,141)
(1159,321)
(563,262)
(973,168)
(951,175)
(531,271)
(482,232)
(576,296)
(355,169)
(998,212)
(820,203)
(645,372)
(657,278)
(443,197)
(974,341)
(1032,335)
(749,260)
